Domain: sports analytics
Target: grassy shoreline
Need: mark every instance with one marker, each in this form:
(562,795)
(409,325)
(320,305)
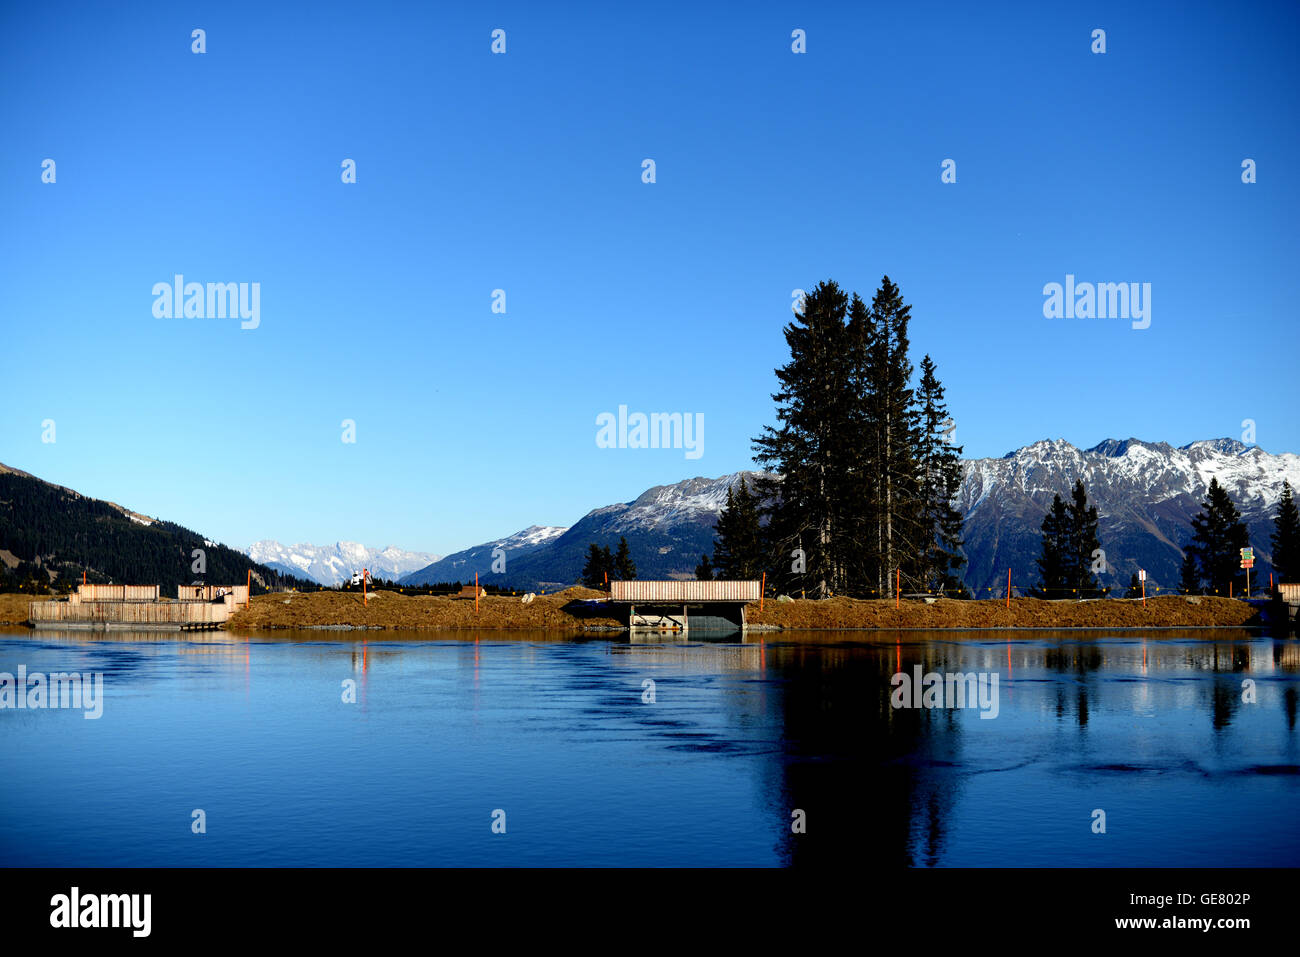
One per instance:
(390,611)
(561,612)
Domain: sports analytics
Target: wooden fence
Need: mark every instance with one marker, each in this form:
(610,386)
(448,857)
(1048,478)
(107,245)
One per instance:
(129,612)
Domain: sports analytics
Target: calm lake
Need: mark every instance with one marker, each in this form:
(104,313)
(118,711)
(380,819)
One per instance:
(733,747)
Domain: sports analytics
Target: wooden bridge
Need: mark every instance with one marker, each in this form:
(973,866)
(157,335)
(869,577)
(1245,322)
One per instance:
(674,605)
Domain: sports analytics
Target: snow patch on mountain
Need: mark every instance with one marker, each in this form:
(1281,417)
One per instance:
(697,500)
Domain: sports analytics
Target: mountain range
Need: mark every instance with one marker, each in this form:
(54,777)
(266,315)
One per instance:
(1145,492)
(332,564)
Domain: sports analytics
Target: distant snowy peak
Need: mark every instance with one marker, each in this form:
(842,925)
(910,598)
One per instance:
(1222,446)
(332,564)
(698,499)
(483,558)
(531,537)
(1122,468)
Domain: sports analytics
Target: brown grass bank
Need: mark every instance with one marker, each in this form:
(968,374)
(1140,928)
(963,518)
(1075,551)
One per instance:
(13,607)
(1170,611)
(395,611)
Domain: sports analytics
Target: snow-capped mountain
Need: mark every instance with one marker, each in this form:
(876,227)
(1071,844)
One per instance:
(1145,492)
(692,501)
(332,564)
(461,566)
(667,527)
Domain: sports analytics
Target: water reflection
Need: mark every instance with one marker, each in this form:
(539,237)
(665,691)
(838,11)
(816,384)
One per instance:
(1187,741)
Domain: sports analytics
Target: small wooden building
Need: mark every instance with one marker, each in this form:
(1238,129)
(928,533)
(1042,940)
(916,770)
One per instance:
(139,608)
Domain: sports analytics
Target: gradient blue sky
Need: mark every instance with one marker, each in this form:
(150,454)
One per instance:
(523,172)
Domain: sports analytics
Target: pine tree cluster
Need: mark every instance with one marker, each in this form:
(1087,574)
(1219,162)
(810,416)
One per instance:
(1070,548)
(603,565)
(867,472)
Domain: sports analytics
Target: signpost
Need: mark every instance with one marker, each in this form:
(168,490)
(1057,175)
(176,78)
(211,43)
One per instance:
(1248,562)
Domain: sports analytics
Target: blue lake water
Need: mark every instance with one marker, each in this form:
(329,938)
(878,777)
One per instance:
(1150,728)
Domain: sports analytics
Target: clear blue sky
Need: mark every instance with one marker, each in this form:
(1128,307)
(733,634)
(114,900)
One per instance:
(522,172)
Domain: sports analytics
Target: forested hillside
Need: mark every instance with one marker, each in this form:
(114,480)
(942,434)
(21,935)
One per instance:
(50,534)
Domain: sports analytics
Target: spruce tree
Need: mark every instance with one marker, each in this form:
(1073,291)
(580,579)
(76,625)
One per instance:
(593,572)
(724,535)
(1218,534)
(704,570)
(805,447)
(1286,538)
(854,496)
(623,567)
(1134,587)
(1082,543)
(1189,578)
(859,514)
(738,548)
(1052,562)
(939,472)
(892,417)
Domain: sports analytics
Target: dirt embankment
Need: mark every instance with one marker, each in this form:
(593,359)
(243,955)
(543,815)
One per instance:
(561,612)
(13,607)
(394,610)
(1171,611)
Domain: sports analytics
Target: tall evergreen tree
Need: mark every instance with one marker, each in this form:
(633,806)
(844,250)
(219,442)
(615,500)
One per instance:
(1134,587)
(1218,534)
(738,551)
(1189,577)
(722,533)
(1082,544)
(1053,561)
(704,570)
(806,446)
(623,566)
(863,491)
(939,471)
(859,515)
(892,417)
(1286,538)
(599,563)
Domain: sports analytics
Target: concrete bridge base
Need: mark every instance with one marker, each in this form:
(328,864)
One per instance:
(714,616)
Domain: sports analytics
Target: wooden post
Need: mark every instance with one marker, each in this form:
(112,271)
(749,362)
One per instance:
(898,586)
(761,591)
(365,598)
(248,599)
(1008,589)
(476,593)
(1144,593)
(1229,587)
